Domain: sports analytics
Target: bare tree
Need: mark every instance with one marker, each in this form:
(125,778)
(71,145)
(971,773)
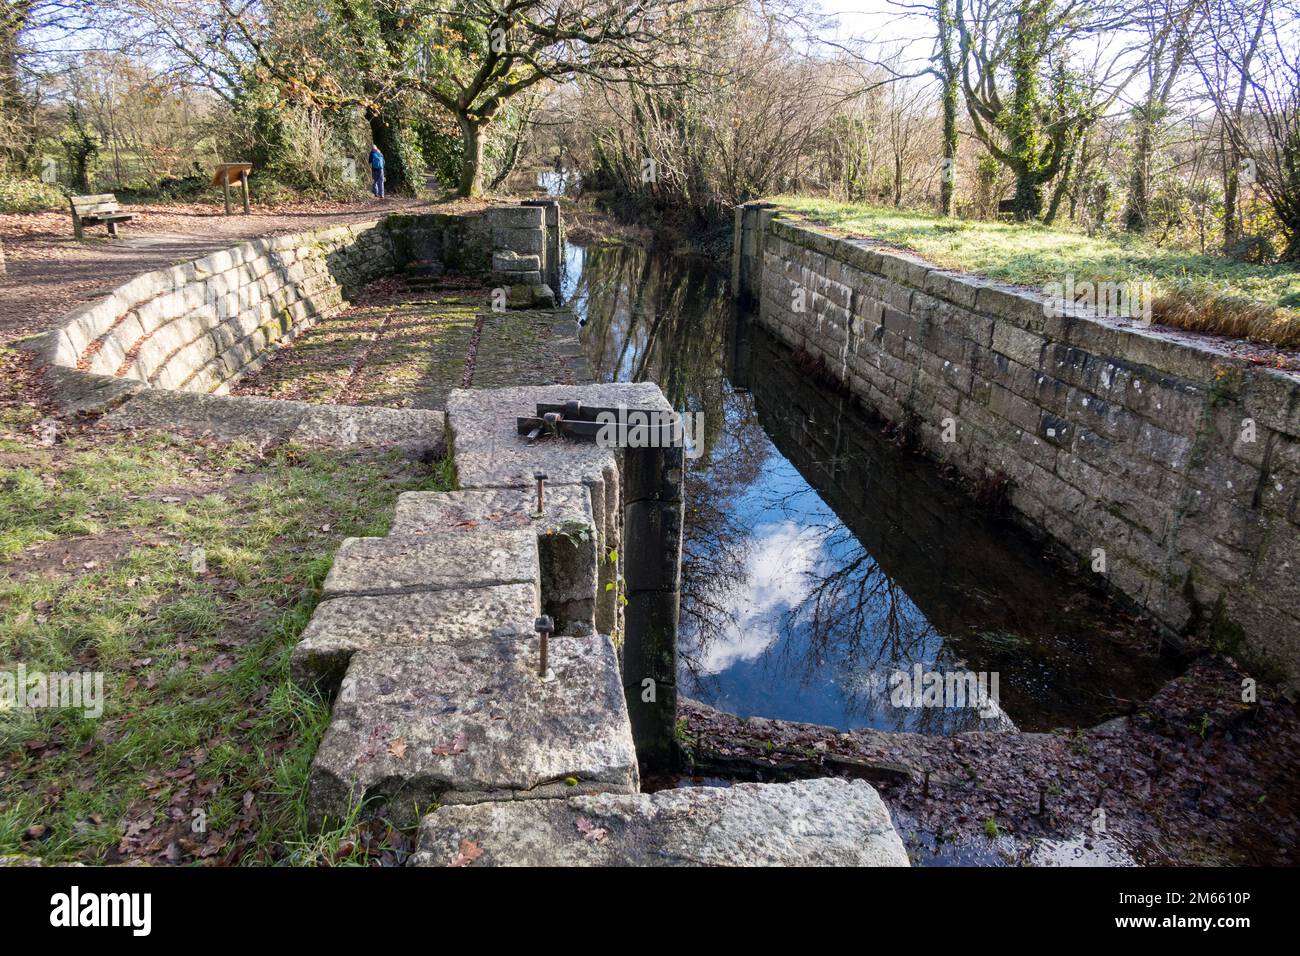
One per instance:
(1170,26)
(1253,78)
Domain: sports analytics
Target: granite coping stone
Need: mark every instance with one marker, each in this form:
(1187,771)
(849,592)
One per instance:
(368,566)
(570,542)
(439,512)
(490,453)
(342,626)
(825,822)
(472,721)
(231,417)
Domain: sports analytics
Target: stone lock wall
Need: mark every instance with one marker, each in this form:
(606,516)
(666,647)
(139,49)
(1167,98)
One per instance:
(1177,459)
(526,247)
(200,326)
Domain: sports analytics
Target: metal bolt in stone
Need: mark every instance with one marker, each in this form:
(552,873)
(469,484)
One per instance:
(541,490)
(544,627)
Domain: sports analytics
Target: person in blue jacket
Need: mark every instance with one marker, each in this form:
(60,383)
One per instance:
(377,171)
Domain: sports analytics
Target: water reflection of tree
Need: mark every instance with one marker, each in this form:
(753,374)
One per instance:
(717,544)
(663,319)
(853,615)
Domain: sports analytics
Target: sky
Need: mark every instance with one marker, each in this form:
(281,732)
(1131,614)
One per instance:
(883,22)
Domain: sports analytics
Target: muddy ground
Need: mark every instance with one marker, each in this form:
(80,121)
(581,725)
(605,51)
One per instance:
(1193,776)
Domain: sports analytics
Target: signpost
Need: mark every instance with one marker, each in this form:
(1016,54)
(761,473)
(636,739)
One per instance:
(228,173)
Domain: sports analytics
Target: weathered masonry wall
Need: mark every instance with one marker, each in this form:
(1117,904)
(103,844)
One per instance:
(1179,461)
(202,325)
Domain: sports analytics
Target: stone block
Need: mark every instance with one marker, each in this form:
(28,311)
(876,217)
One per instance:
(825,822)
(1026,310)
(491,453)
(517,217)
(1015,343)
(341,627)
(526,242)
(511,262)
(570,543)
(417,431)
(471,721)
(367,566)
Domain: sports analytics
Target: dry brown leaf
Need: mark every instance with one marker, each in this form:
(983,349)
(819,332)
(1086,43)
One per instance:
(469,852)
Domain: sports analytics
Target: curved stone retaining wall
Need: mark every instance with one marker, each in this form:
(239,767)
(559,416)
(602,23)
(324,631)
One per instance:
(1169,463)
(201,325)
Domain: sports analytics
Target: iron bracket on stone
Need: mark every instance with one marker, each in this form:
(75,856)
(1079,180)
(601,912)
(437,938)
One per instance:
(652,443)
(626,427)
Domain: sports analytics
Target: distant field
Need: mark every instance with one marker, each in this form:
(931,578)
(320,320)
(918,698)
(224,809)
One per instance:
(1203,293)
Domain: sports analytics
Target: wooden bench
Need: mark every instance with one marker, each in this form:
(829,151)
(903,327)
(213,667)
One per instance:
(96,211)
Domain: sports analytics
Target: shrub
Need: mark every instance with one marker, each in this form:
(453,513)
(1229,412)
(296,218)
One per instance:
(81,144)
(30,195)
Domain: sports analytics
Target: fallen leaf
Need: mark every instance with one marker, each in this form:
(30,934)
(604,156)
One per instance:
(590,832)
(398,748)
(469,852)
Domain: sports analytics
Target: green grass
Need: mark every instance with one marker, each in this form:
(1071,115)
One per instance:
(200,720)
(1200,292)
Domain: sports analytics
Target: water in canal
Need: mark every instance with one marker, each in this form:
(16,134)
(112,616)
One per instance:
(819,558)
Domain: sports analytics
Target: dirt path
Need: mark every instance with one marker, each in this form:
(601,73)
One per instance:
(49,272)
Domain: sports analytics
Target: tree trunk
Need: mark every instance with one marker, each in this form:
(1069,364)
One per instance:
(1027,203)
(1231,228)
(15,111)
(1062,185)
(1026,107)
(948,184)
(1138,215)
(471,170)
(387,136)
(1290,254)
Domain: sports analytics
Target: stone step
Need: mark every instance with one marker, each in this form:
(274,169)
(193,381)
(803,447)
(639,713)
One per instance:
(482,427)
(343,626)
(827,822)
(427,634)
(425,268)
(469,722)
(439,512)
(571,547)
(367,566)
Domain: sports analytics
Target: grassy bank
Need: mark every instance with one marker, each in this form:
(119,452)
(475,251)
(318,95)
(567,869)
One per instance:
(183,571)
(1203,293)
